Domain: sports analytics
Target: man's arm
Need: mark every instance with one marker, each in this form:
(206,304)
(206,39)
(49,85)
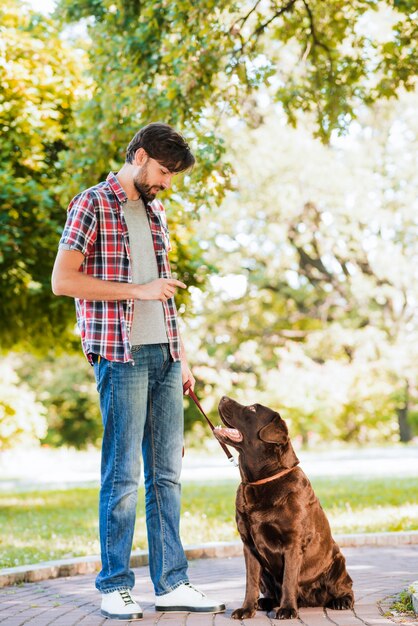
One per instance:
(67,280)
(186,372)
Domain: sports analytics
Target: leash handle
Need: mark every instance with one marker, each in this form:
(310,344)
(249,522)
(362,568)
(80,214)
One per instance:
(187,387)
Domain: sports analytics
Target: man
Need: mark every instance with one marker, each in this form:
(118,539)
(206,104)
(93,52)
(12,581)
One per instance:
(113,259)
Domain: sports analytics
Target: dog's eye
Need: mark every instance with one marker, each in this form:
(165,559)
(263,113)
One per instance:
(252,408)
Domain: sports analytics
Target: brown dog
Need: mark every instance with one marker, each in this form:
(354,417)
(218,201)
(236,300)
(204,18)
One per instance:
(290,555)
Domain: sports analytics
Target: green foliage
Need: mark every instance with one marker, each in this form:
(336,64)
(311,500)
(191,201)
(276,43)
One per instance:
(39,77)
(66,387)
(312,311)
(22,416)
(197,65)
(189,63)
(207,68)
(403,604)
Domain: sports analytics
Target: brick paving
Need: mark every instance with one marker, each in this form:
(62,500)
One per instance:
(379,573)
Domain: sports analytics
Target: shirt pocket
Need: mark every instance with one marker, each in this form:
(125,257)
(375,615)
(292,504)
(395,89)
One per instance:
(161,238)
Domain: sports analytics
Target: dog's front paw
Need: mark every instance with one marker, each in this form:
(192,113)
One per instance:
(285,613)
(339,604)
(244,612)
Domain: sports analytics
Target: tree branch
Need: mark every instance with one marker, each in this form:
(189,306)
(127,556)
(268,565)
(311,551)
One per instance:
(243,19)
(315,39)
(278,13)
(262,27)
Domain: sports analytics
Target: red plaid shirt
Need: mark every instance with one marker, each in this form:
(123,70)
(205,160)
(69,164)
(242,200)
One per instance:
(96,227)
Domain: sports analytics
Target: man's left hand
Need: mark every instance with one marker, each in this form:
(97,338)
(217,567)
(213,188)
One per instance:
(186,375)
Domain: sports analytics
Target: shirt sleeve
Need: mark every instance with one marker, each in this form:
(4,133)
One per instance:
(80,230)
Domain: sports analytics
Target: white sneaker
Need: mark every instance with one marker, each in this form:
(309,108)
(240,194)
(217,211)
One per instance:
(187,599)
(119,604)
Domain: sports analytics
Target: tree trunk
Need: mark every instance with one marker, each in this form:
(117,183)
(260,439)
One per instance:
(405,434)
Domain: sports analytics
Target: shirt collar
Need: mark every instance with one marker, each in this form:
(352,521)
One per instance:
(116,187)
(155,206)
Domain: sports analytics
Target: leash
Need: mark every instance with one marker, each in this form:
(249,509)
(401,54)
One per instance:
(187,386)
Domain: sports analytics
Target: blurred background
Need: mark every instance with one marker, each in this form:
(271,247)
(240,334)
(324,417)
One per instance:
(296,232)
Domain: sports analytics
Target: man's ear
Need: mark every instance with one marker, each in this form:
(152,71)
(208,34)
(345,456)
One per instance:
(275,432)
(141,157)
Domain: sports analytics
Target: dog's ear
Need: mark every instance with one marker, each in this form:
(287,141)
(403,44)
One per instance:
(275,432)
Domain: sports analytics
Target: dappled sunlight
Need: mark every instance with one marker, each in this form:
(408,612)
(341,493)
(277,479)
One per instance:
(30,502)
(31,548)
(374,519)
(64,524)
(295,234)
(203,530)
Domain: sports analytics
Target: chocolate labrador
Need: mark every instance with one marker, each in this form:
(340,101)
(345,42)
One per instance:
(290,555)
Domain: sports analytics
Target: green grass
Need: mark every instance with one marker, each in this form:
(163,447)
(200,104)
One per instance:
(44,525)
(402,606)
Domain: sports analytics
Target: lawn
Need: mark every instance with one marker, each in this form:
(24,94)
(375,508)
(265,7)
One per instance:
(44,525)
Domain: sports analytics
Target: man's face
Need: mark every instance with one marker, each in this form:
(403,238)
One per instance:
(151,178)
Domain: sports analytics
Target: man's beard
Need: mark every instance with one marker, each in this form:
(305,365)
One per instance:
(143,188)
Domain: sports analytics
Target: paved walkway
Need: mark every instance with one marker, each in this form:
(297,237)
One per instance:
(378,573)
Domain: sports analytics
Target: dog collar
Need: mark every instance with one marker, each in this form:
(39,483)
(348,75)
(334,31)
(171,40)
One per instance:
(278,475)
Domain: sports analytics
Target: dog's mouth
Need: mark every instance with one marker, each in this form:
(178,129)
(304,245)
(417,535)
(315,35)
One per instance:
(227,434)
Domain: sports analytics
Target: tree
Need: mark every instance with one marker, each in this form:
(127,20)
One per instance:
(196,65)
(40,80)
(190,63)
(317,245)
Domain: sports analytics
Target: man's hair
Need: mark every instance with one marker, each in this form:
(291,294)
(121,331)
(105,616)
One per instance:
(164,144)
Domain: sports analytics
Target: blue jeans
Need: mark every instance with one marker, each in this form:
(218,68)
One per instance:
(142,407)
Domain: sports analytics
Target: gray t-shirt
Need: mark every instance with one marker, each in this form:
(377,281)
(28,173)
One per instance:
(149,322)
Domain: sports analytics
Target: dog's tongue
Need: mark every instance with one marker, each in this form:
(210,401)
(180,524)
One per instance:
(229,433)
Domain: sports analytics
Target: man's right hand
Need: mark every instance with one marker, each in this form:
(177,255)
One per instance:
(160,289)
(67,280)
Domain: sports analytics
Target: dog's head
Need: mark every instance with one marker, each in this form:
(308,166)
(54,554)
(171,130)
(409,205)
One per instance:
(260,436)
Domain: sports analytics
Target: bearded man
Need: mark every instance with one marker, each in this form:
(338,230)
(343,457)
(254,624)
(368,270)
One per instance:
(113,259)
